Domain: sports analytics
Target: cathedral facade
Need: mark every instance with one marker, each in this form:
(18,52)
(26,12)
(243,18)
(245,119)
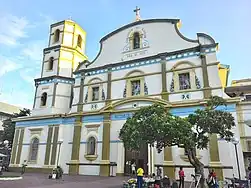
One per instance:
(81,105)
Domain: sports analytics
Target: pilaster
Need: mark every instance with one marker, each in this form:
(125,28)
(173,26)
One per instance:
(74,163)
(168,164)
(48,146)
(109,86)
(215,157)
(81,94)
(20,146)
(164,93)
(14,147)
(54,94)
(206,90)
(54,145)
(105,160)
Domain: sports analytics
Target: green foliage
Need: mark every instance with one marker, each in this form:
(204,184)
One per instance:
(9,125)
(156,126)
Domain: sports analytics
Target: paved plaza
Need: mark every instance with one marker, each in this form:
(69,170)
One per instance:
(42,181)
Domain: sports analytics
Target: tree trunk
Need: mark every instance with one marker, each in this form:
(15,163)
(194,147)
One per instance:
(199,166)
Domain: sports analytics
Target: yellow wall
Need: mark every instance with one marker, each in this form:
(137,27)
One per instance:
(223,73)
(70,54)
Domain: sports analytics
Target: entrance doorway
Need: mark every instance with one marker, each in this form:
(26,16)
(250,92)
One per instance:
(140,158)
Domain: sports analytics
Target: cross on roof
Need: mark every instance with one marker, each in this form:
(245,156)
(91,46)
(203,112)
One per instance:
(137,13)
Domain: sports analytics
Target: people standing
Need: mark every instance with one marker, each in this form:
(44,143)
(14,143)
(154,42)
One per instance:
(140,173)
(133,169)
(181,177)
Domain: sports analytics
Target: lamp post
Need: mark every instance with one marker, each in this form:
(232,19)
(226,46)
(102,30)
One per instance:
(235,141)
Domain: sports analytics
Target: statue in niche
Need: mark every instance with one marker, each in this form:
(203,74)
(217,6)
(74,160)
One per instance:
(91,146)
(135,87)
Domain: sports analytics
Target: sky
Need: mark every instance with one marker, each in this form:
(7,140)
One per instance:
(24,29)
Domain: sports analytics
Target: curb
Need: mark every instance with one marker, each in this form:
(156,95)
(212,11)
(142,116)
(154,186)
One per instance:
(10,178)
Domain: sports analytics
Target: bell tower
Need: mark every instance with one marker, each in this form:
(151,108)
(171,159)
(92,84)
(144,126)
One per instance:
(66,49)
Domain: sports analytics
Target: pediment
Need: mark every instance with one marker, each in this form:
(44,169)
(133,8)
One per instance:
(134,103)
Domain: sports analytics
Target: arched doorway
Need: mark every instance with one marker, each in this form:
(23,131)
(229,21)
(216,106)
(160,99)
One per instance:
(140,157)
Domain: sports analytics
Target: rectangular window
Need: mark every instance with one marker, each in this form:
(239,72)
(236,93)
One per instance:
(95,93)
(248,97)
(184,81)
(135,85)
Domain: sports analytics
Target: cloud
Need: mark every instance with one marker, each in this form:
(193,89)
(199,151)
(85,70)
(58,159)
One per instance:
(29,74)
(34,50)
(47,20)
(12,28)
(7,65)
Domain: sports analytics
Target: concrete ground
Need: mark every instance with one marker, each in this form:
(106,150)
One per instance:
(42,181)
(35,180)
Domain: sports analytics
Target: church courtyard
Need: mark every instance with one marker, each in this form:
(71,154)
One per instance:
(41,181)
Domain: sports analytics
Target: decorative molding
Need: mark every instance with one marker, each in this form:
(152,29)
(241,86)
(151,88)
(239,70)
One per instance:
(172,86)
(125,91)
(148,62)
(94,106)
(185,96)
(55,80)
(103,94)
(86,97)
(91,157)
(35,131)
(145,89)
(197,82)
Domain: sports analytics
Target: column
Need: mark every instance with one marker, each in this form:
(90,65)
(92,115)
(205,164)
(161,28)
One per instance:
(214,156)
(20,146)
(206,90)
(74,163)
(105,160)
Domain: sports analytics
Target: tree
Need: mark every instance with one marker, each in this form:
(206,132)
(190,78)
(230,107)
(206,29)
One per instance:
(9,125)
(154,125)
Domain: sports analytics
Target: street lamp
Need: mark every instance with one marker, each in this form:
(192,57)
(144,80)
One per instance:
(235,141)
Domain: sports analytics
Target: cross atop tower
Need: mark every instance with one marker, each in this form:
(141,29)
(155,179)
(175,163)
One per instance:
(137,13)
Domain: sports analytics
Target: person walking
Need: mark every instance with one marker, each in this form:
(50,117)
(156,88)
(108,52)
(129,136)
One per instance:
(181,177)
(23,167)
(140,173)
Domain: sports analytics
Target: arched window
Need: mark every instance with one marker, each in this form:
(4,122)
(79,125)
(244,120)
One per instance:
(136,40)
(34,149)
(79,43)
(44,99)
(91,146)
(56,35)
(50,63)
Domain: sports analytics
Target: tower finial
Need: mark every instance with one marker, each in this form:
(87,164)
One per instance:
(137,13)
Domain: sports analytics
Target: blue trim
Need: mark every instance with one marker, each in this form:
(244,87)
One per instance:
(93,119)
(45,122)
(99,142)
(27,144)
(183,111)
(148,62)
(55,80)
